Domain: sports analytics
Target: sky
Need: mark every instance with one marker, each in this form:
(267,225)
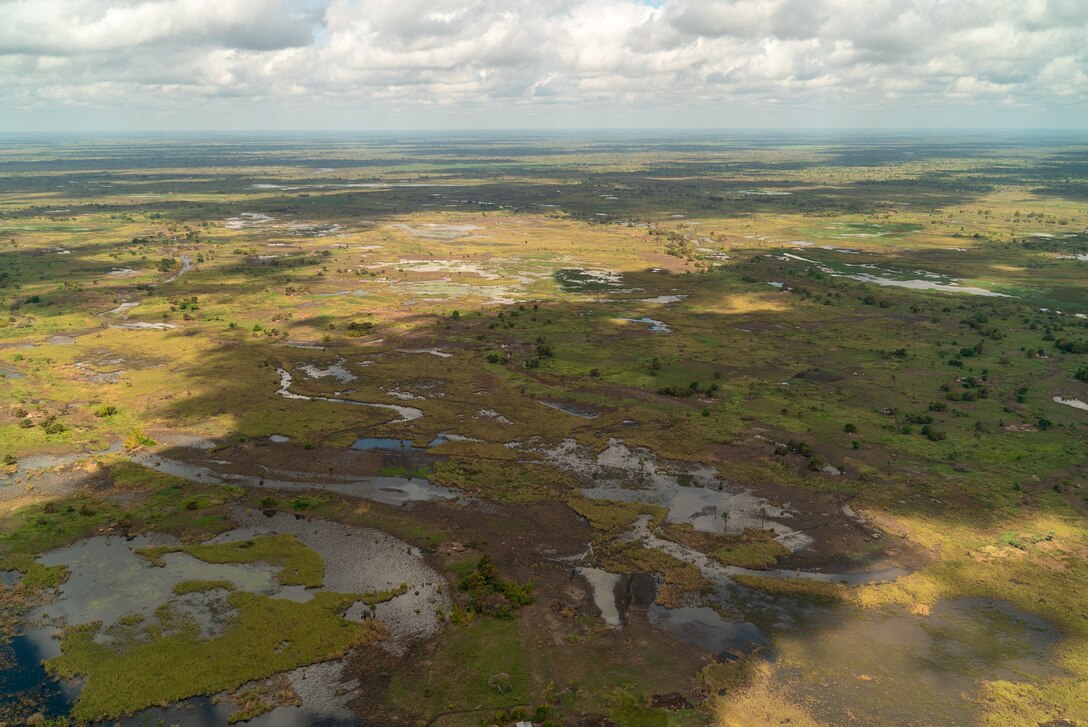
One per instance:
(164,65)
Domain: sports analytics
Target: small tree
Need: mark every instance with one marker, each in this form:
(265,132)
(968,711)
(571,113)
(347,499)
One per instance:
(500,682)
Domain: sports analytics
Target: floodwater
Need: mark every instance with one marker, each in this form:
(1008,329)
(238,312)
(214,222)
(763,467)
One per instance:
(654,325)
(892,668)
(144,326)
(387,490)
(109,581)
(407,413)
(122,309)
(186,266)
(698,496)
(335,371)
(916,279)
(364,560)
(575,280)
(205,711)
(663,299)
(573,410)
(703,627)
(1075,403)
(604,586)
(367,444)
(432,351)
(438,231)
(23,680)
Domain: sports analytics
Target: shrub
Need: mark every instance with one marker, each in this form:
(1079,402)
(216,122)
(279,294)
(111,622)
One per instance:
(932,433)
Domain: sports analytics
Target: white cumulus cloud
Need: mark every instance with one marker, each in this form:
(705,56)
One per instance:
(684,62)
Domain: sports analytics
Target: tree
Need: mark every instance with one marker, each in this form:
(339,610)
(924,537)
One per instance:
(500,682)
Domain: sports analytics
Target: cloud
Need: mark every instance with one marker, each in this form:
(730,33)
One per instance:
(499,58)
(73,27)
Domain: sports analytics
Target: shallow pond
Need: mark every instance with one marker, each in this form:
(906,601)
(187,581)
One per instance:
(653,324)
(914,279)
(367,444)
(23,681)
(898,669)
(572,409)
(407,413)
(388,490)
(109,581)
(604,586)
(335,371)
(575,280)
(698,496)
(703,627)
(364,560)
(1075,403)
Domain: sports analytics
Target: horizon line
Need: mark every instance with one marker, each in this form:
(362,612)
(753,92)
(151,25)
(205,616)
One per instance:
(560,130)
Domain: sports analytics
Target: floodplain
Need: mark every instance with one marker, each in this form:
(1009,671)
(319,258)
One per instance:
(616,429)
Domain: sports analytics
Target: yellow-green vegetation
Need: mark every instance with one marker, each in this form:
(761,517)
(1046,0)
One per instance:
(263,697)
(820,591)
(299,565)
(752,698)
(373,598)
(31,589)
(613,517)
(680,578)
(268,636)
(751,549)
(502,481)
(200,586)
(35,576)
(137,499)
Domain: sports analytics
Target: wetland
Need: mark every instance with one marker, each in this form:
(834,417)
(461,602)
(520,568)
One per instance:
(743,431)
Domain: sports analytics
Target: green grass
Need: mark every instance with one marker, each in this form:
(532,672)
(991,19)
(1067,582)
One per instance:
(501,481)
(373,598)
(753,549)
(299,565)
(36,576)
(200,586)
(459,673)
(613,517)
(141,499)
(268,636)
